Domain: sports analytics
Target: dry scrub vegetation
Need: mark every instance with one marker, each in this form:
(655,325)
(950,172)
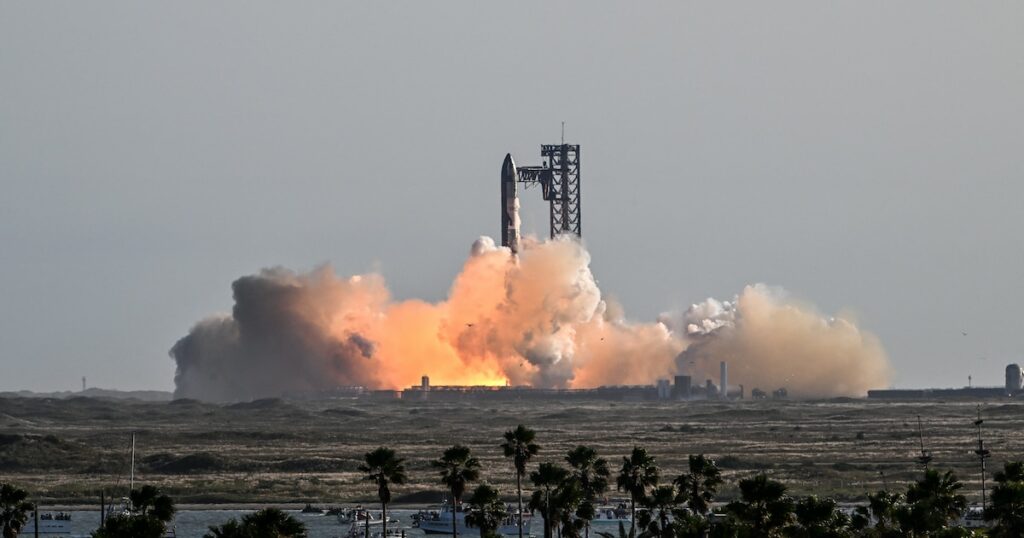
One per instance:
(283,451)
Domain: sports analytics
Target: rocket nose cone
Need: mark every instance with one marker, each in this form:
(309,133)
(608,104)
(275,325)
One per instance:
(508,167)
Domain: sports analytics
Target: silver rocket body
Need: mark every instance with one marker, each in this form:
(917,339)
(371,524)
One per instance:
(509,205)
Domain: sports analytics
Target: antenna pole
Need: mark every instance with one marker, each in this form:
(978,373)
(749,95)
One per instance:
(563,133)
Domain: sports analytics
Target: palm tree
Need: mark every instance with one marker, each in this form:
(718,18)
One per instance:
(685,524)
(639,473)
(273,522)
(819,518)
(229,529)
(487,511)
(548,477)
(383,467)
(266,523)
(457,467)
(592,474)
(763,508)
(14,510)
(269,522)
(520,447)
(131,526)
(1006,505)
(700,484)
(149,502)
(660,504)
(934,502)
(885,508)
(567,500)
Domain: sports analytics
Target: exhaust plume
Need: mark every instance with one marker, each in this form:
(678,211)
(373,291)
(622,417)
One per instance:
(536,318)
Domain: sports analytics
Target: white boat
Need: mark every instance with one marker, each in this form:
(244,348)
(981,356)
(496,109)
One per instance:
(126,510)
(440,522)
(974,518)
(612,514)
(360,515)
(126,505)
(51,525)
(363,522)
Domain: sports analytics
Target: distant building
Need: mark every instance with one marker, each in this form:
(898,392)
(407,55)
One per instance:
(681,388)
(664,389)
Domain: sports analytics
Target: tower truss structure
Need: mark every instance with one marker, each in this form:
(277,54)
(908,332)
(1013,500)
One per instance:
(559,178)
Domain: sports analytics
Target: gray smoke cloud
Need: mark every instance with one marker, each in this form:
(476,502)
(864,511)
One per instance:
(276,340)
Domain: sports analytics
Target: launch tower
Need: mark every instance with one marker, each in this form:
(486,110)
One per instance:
(559,178)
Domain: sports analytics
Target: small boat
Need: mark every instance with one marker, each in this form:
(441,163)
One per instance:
(359,531)
(440,522)
(360,516)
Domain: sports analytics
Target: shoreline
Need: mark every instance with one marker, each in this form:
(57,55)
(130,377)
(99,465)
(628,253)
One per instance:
(214,507)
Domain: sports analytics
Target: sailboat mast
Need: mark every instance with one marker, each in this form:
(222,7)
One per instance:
(132,482)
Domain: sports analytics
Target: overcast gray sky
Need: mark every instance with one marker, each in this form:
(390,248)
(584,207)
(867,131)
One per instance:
(867,156)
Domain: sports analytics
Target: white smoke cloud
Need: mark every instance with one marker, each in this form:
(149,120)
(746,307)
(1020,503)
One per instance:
(771,341)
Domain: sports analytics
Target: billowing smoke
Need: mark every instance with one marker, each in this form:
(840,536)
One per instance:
(771,341)
(280,337)
(534,319)
(537,319)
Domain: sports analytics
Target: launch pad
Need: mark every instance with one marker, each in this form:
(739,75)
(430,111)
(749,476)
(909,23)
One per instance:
(559,179)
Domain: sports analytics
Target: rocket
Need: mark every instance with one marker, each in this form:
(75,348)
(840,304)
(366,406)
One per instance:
(509,205)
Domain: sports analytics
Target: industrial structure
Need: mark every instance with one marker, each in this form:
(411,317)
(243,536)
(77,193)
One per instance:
(1013,378)
(679,388)
(663,389)
(1012,387)
(559,179)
